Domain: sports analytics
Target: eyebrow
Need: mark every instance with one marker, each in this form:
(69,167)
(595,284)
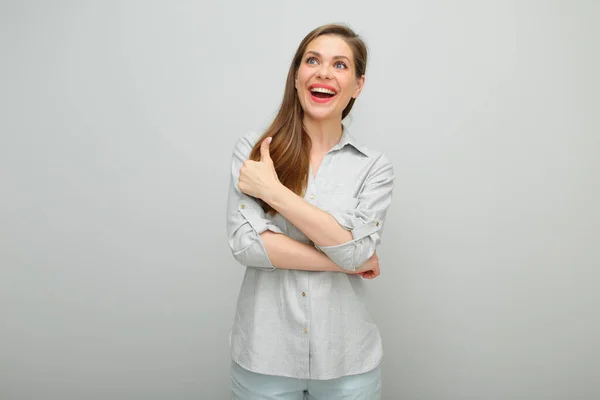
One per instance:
(316,53)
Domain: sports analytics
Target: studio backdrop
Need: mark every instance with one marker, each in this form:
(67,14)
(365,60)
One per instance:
(117,122)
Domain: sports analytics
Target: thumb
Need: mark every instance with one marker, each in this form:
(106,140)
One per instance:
(265,155)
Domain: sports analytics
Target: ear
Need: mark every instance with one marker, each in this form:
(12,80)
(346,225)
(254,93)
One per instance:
(359,85)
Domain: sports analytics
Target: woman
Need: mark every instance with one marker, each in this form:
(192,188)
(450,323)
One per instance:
(305,214)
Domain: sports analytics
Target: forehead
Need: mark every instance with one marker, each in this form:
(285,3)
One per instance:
(330,46)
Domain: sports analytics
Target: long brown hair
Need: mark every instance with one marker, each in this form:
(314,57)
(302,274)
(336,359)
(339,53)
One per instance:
(290,147)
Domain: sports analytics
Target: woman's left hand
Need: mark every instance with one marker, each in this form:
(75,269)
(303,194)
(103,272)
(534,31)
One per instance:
(259,178)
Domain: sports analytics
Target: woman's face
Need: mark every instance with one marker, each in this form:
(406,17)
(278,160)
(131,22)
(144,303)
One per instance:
(326,79)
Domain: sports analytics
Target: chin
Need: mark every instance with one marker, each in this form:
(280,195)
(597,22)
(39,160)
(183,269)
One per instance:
(322,115)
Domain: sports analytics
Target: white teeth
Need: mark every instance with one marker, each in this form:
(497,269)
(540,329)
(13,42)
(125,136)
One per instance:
(322,90)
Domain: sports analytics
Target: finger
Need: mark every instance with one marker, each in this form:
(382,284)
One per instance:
(265,154)
(367,275)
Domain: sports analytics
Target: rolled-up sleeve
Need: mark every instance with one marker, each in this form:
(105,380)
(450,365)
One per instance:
(246,219)
(366,220)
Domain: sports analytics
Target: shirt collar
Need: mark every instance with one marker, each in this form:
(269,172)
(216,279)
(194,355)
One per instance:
(348,139)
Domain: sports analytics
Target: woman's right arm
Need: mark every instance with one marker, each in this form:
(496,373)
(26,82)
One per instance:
(287,253)
(254,240)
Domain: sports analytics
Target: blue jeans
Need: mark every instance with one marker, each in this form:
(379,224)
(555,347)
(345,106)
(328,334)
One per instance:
(248,385)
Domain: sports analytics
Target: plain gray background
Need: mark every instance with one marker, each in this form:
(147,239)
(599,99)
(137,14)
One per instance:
(117,124)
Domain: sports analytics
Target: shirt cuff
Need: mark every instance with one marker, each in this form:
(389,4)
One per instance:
(362,230)
(256,222)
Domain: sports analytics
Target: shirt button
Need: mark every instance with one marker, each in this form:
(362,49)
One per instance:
(243,206)
(303,294)
(305,330)
(312,196)
(377,223)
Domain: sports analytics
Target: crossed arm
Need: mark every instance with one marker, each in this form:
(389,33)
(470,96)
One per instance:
(342,242)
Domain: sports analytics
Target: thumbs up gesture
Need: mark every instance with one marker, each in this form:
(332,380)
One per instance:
(259,178)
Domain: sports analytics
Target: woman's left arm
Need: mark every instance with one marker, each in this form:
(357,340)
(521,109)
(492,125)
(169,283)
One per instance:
(347,237)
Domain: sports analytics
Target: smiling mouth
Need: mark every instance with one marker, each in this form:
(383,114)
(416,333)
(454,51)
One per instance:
(322,93)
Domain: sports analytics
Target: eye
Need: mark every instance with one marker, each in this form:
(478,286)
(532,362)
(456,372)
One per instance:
(341,64)
(311,60)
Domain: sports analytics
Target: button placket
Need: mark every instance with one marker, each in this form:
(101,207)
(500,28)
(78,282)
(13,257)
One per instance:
(310,191)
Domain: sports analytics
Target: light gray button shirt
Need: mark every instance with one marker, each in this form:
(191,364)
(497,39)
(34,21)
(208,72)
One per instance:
(308,324)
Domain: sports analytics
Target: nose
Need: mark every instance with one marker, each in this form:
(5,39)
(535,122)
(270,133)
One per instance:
(324,72)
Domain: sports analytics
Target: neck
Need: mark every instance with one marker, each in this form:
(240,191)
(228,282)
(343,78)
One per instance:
(323,134)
